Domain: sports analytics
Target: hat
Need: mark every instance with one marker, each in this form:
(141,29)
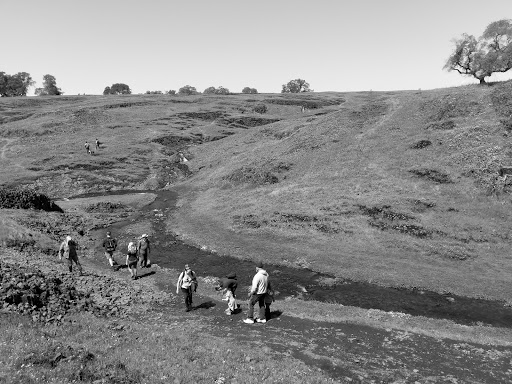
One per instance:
(186,266)
(259,265)
(144,235)
(232,275)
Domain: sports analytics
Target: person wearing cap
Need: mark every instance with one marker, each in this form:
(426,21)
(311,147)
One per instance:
(110,245)
(259,288)
(68,249)
(228,287)
(187,283)
(131,260)
(144,249)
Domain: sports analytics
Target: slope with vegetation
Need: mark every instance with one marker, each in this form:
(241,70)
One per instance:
(396,188)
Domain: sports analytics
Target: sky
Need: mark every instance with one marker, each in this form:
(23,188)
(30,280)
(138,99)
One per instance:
(150,45)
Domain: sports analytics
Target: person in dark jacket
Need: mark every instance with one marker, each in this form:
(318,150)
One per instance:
(228,287)
(68,250)
(110,245)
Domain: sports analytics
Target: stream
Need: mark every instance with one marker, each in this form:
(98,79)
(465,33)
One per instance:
(169,252)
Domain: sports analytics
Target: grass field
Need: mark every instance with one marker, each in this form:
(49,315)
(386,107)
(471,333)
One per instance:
(395,188)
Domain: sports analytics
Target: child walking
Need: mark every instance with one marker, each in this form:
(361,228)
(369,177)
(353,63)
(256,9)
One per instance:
(228,286)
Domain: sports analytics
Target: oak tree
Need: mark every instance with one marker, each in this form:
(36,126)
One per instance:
(296,86)
(15,85)
(49,87)
(482,57)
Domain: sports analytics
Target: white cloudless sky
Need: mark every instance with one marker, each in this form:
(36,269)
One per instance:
(335,45)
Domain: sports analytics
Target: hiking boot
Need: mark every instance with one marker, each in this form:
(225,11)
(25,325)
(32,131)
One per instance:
(249,321)
(261,321)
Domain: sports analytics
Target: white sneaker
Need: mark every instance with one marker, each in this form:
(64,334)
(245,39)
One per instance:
(261,320)
(249,321)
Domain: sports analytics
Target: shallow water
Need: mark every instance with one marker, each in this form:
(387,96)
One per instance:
(169,252)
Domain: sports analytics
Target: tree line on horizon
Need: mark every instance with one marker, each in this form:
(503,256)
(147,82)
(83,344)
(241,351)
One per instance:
(479,58)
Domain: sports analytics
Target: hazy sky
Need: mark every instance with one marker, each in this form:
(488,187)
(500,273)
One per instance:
(335,45)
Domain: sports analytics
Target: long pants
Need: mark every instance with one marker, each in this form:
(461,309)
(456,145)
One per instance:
(231,300)
(260,299)
(74,259)
(143,260)
(187,296)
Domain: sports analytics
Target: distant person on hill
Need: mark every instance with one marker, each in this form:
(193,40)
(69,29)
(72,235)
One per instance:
(87,147)
(144,249)
(68,250)
(228,287)
(187,283)
(131,260)
(257,294)
(110,245)
(97,144)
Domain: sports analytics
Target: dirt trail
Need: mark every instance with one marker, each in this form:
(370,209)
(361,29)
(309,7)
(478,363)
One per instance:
(5,145)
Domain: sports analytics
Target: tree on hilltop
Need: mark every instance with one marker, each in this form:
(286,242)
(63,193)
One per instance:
(49,87)
(209,91)
(216,91)
(15,85)
(187,90)
(249,90)
(117,89)
(482,57)
(296,86)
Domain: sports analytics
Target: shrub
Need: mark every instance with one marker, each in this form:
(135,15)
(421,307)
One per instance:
(260,108)
(25,198)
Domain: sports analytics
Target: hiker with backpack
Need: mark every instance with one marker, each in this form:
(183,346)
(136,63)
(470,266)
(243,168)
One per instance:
(110,245)
(187,283)
(132,260)
(228,287)
(144,249)
(68,250)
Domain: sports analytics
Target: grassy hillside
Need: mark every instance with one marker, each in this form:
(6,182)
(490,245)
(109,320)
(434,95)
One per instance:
(397,188)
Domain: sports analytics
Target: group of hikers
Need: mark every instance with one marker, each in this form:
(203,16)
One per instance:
(137,254)
(88,146)
(261,291)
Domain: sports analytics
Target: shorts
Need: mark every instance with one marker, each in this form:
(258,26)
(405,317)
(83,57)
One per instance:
(109,254)
(132,264)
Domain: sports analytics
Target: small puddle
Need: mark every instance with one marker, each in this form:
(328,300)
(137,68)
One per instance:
(303,283)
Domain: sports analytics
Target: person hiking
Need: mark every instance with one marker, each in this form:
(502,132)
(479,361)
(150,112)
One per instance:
(131,260)
(68,250)
(144,249)
(87,147)
(228,287)
(97,144)
(257,294)
(187,283)
(110,245)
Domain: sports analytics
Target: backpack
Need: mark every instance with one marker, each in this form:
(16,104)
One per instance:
(111,245)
